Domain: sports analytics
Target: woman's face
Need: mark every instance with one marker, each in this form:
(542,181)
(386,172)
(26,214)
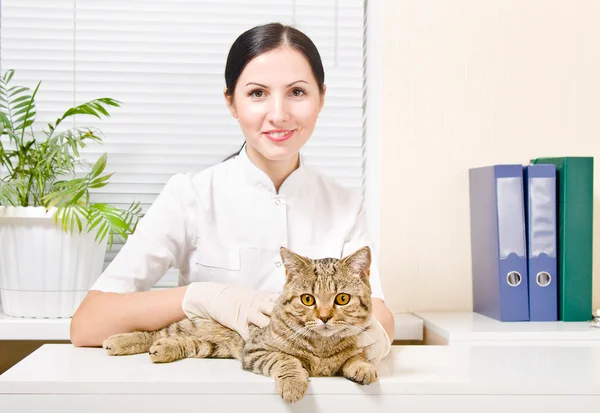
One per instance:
(277,102)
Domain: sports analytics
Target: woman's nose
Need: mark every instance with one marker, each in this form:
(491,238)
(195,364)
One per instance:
(278,112)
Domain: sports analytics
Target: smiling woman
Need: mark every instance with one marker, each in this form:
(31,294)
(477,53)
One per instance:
(224,227)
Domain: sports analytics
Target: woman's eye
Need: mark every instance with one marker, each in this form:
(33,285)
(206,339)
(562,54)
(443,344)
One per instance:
(307,299)
(257,93)
(342,299)
(298,92)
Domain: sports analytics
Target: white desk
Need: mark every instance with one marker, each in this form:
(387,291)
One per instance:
(555,377)
(450,328)
(408,327)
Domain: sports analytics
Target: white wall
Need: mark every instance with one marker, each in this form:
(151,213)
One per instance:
(469,83)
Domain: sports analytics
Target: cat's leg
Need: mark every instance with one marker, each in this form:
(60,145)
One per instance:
(128,343)
(168,349)
(290,377)
(359,370)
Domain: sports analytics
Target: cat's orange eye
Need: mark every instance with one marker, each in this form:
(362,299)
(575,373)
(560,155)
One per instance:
(307,299)
(342,299)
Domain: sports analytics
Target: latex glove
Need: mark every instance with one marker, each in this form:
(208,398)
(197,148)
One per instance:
(375,341)
(230,305)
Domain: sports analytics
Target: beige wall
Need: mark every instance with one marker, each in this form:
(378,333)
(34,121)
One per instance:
(470,83)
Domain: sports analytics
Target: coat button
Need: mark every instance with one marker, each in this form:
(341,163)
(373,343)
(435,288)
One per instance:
(278,264)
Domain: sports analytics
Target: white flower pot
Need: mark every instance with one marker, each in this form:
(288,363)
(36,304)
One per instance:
(44,271)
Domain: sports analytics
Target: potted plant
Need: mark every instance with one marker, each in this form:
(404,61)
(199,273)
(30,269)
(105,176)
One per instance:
(52,238)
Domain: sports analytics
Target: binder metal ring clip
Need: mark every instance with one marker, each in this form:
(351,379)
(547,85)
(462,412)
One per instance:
(595,322)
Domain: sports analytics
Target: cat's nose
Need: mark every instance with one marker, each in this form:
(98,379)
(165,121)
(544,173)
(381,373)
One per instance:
(325,318)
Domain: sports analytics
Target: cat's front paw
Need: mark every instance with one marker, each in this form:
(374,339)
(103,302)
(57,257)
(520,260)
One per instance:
(292,387)
(165,350)
(119,345)
(361,372)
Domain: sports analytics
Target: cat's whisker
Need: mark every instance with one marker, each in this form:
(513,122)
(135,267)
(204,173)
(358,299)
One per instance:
(301,333)
(352,328)
(295,333)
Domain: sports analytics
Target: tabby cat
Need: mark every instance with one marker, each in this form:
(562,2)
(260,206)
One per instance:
(325,303)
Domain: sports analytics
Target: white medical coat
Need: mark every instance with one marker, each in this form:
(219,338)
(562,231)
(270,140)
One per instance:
(227,223)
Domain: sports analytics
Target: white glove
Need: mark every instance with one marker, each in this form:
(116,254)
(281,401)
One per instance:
(230,305)
(375,341)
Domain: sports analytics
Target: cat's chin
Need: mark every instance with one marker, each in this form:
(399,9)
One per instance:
(327,331)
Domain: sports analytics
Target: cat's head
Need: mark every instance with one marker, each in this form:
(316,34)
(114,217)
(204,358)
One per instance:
(326,296)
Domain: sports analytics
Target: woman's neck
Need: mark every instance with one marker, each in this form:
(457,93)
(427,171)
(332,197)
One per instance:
(277,171)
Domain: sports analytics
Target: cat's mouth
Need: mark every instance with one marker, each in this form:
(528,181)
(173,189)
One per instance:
(342,329)
(326,331)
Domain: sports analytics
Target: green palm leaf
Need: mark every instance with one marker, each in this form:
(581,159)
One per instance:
(70,216)
(17,105)
(111,220)
(94,107)
(42,172)
(9,191)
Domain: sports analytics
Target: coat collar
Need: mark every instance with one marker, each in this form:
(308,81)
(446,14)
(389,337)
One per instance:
(259,179)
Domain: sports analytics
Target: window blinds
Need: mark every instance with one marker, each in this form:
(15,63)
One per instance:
(164,61)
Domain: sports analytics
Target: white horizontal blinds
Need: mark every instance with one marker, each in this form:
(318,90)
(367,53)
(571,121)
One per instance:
(165,61)
(37,42)
(337,29)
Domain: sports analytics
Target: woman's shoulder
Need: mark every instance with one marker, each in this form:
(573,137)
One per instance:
(199,183)
(199,178)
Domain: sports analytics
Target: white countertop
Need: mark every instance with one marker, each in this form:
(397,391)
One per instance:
(407,327)
(462,327)
(551,369)
(554,377)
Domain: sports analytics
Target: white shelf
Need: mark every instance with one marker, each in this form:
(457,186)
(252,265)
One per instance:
(13,328)
(550,378)
(408,327)
(468,327)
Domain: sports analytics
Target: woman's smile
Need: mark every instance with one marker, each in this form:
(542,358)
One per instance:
(279,135)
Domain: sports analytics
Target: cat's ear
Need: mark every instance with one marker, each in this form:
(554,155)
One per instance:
(359,262)
(293,262)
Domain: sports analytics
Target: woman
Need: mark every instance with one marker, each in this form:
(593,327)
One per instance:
(223,227)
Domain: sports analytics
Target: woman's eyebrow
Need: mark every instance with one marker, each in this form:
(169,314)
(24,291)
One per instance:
(297,81)
(266,87)
(257,84)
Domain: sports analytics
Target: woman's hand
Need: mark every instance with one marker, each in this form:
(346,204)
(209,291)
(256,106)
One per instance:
(230,305)
(375,341)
